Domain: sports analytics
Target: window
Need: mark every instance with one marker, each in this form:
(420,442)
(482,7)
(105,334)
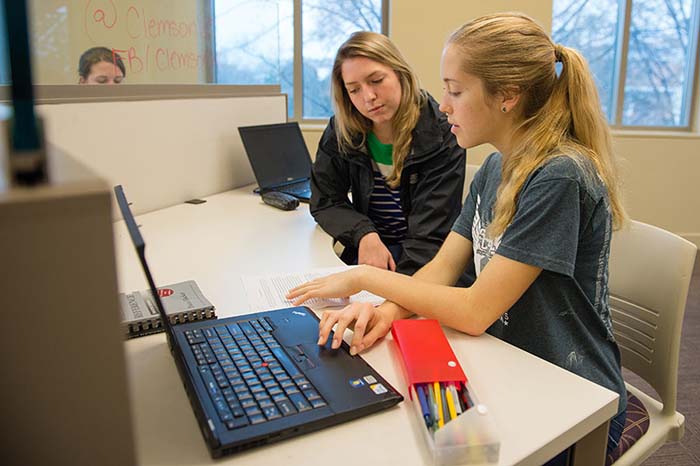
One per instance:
(286,42)
(643,54)
(291,42)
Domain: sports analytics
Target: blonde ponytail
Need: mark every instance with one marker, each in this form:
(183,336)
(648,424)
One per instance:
(561,115)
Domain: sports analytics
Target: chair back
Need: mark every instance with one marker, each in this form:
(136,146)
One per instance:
(469,176)
(649,275)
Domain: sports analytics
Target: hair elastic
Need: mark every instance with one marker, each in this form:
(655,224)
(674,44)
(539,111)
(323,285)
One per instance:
(558,49)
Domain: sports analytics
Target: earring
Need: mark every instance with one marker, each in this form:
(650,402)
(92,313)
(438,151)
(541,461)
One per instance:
(504,109)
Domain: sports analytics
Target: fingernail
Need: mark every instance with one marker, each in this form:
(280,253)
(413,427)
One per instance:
(320,340)
(353,350)
(336,343)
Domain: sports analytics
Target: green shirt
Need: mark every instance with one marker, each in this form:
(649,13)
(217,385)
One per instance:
(381,153)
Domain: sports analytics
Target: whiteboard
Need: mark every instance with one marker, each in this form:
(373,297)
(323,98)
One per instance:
(159,41)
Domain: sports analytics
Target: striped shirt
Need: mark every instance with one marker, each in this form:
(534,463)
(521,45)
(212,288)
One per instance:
(385,202)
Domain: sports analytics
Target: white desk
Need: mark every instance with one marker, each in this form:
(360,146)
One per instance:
(538,408)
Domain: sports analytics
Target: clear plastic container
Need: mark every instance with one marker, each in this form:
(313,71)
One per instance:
(470,438)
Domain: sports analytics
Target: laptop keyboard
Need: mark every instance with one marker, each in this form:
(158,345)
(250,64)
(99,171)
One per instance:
(249,377)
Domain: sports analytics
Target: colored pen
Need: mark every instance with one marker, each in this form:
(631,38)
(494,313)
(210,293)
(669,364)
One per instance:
(422,399)
(455,398)
(445,409)
(450,402)
(467,399)
(461,399)
(438,402)
(433,405)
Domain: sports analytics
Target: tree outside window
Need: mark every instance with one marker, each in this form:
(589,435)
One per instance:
(643,54)
(255,44)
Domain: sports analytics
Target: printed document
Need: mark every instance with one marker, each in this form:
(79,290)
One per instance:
(267,292)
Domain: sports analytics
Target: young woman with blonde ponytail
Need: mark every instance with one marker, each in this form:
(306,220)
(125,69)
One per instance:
(391,147)
(536,225)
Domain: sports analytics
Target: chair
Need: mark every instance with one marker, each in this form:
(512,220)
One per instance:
(470,171)
(650,271)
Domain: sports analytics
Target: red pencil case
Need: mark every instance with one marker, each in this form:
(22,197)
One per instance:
(427,355)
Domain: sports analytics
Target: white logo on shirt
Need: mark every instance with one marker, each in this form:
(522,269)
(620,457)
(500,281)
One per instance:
(484,247)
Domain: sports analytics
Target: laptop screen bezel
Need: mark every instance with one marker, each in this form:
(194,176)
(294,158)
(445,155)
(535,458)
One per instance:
(140,246)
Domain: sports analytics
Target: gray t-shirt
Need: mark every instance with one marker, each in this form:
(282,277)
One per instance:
(562,224)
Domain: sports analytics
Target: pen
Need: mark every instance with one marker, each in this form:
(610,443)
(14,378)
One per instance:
(465,395)
(455,397)
(438,402)
(433,406)
(460,398)
(445,408)
(422,399)
(450,402)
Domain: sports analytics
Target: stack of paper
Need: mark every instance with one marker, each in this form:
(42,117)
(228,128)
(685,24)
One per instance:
(268,291)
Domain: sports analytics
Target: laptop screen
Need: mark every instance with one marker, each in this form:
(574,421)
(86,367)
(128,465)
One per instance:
(277,153)
(140,246)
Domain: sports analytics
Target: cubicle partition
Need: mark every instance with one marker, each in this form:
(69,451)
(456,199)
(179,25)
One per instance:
(64,376)
(165,143)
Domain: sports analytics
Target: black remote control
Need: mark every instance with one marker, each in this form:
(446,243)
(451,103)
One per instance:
(280,200)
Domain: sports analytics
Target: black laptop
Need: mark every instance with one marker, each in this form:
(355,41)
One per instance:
(279,158)
(259,378)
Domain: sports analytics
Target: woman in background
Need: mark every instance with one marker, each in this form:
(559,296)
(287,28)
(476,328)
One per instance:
(391,147)
(100,65)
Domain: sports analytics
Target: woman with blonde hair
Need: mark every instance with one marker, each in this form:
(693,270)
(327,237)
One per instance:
(391,147)
(537,222)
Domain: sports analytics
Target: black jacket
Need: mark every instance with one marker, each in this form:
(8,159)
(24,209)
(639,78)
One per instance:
(431,188)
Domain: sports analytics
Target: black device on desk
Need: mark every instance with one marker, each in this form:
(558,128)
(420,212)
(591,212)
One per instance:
(279,158)
(280,200)
(261,377)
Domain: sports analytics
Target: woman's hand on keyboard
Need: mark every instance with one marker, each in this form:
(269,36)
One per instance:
(370,324)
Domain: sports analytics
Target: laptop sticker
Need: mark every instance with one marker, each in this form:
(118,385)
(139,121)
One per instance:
(378,388)
(355,383)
